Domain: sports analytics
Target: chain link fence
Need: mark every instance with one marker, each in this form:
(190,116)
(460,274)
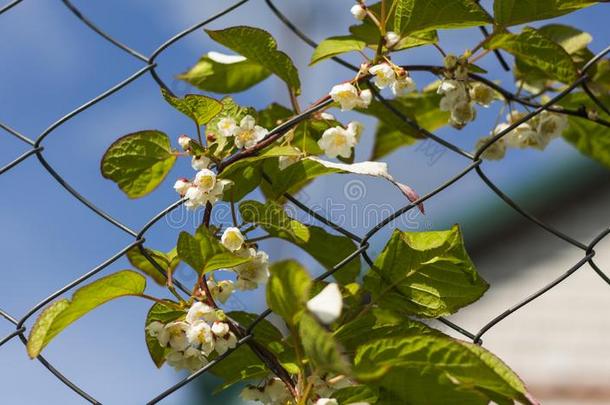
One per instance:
(473,162)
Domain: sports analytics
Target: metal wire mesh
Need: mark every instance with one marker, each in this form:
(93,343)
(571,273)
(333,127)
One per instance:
(474,163)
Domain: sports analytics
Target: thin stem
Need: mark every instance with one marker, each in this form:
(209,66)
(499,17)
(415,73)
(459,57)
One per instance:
(294,101)
(259,238)
(199,134)
(440,50)
(475,58)
(151,298)
(233,214)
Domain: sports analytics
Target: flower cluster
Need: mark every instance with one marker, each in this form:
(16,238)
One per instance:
(205,187)
(274,392)
(459,95)
(349,97)
(536,133)
(253,272)
(394,77)
(339,141)
(192,340)
(245,135)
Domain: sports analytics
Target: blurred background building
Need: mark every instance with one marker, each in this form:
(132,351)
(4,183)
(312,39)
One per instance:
(52,64)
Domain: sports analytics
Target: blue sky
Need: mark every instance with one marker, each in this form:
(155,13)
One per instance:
(52,64)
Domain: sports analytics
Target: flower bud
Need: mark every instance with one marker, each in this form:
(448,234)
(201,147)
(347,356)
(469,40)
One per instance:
(391,39)
(450,61)
(482,94)
(358,11)
(184,141)
(181,186)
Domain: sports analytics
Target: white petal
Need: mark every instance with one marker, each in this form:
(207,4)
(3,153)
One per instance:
(225,59)
(327,305)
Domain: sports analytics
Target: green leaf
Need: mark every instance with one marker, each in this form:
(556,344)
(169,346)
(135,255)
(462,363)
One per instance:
(293,177)
(334,46)
(138,162)
(204,253)
(164,313)
(536,50)
(356,394)
(288,289)
(368,32)
(418,15)
(425,273)
(246,173)
(314,240)
(571,39)
(393,132)
(241,365)
(264,332)
(259,46)
(514,12)
(168,261)
(320,347)
(379,323)
(200,109)
(438,369)
(60,314)
(209,74)
(272,218)
(588,137)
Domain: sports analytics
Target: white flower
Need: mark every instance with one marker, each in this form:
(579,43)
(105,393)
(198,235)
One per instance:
(524,136)
(327,305)
(200,162)
(190,359)
(551,124)
(366,96)
(356,128)
(326,401)
(346,94)
(252,393)
(184,141)
(248,133)
(462,113)
(220,329)
(391,39)
(229,341)
(226,127)
(461,72)
(181,186)
(327,116)
(174,334)
(482,94)
(287,161)
(200,311)
(277,391)
(453,93)
(232,239)
(155,328)
(403,85)
(495,151)
(255,271)
(384,75)
(200,335)
(358,12)
(197,197)
(337,141)
(222,290)
(205,180)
